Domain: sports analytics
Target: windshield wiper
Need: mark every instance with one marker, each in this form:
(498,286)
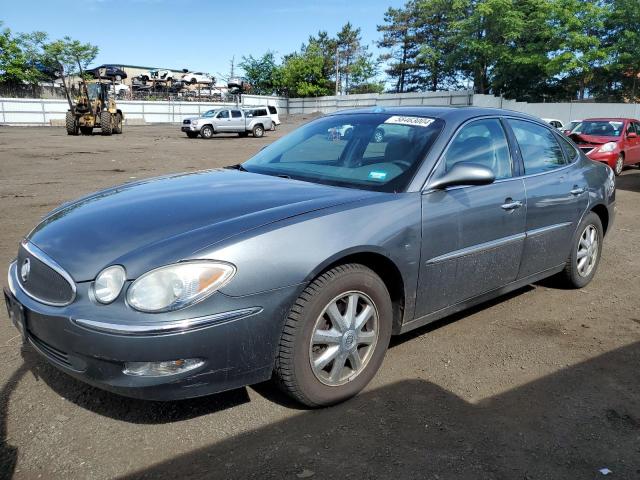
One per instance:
(237,166)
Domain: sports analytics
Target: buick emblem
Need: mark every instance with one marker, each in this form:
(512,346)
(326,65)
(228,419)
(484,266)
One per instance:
(25,269)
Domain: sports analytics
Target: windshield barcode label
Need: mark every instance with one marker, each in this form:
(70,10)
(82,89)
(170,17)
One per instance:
(413,121)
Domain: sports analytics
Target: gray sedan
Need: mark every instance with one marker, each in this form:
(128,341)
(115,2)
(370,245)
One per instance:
(303,261)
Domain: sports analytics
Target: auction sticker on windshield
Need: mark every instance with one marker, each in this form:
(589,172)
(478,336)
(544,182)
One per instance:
(412,121)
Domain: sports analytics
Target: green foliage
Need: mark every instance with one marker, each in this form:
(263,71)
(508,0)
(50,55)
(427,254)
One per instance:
(28,58)
(261,73)
(301,74)
(524,49)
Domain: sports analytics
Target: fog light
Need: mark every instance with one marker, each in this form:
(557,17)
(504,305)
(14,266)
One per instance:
(160,369)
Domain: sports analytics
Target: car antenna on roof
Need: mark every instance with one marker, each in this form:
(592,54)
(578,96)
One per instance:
(378,109)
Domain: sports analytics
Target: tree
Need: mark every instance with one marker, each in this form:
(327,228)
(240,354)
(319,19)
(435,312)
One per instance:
(261,73)
(580,26)
(623,45)
(399,38)
(355,63)
(301,74)
(20,57)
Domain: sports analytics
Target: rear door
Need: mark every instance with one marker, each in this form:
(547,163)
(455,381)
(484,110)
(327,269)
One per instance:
(273,113)
(472,236)
(633,144)
(557,195)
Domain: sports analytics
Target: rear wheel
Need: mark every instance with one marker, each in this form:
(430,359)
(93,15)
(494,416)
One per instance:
(71,124)
(206,131)
(106,122)
(273,126)
(117,128)
(585,252)
(258,131)
(335,337)
(619,165)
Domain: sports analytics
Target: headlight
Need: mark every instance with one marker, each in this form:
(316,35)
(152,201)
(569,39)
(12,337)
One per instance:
(179,285)
(108,283)
(608,147)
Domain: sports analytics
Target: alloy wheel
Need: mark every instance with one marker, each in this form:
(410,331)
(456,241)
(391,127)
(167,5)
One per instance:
(588,251)
(344,338)
(619,165)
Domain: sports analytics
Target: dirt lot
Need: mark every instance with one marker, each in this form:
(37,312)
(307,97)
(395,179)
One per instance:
(544,383)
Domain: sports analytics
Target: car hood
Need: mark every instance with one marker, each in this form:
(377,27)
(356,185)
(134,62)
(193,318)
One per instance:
(150,223)
(579,138)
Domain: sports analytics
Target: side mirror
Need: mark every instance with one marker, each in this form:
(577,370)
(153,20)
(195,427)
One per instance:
(464,173)
(632,135)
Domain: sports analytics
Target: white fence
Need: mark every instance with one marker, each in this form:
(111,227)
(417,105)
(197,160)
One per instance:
(18,111)
(26,111)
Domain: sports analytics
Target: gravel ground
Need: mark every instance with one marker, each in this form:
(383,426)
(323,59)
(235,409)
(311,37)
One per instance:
(543,383)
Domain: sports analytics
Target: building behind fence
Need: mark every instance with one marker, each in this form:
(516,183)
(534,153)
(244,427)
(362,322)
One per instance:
(30,111)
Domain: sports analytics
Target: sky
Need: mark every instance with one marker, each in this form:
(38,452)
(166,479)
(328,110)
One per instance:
(202,35)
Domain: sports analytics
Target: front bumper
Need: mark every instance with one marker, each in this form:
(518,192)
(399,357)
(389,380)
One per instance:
(190,128)
(605,157)
(237,339)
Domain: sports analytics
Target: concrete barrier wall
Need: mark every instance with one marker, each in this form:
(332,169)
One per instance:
(565,112)
(19,111)
(25,111)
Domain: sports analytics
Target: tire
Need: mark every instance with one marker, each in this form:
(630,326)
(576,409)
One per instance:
(71,124)
(206,131)
(617,169)
(86,130)
(273,126)
(258,131)
(192,134)
(574,276)
(106,122)
(316,387)
(117,128)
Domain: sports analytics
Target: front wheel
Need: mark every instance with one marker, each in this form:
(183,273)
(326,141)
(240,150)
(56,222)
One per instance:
(335,336)
(585,252)
(106,122)
(258,131)
(206,131)
(71,124)
(617,169)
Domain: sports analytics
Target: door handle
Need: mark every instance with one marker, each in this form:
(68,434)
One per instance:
(511,204)
(577,190)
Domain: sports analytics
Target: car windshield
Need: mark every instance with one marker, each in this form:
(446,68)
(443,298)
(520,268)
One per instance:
(368,151)
(209,113)
(600,128)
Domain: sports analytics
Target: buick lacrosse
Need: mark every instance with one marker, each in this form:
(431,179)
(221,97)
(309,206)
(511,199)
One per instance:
(301,263)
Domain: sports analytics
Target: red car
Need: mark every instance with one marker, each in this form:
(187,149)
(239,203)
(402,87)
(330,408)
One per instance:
(614,141)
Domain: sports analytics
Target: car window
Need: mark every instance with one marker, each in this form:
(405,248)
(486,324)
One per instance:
(344,150)
(632,128)
(236,114)
(539,147)
(223,114)
(602,128)
(209,113)
(483,142)
(569,149)
(272,110)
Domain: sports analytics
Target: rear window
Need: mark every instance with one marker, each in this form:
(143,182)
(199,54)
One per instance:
(272,110)
(236,113)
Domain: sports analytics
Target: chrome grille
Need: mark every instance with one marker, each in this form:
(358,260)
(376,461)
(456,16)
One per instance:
(46,281)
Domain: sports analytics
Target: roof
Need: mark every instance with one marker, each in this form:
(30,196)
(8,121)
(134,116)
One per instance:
(609,119)
(458,113)
(120,65)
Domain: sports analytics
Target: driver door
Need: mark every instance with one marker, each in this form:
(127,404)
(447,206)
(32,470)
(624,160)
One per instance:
(472,236)
(223,121)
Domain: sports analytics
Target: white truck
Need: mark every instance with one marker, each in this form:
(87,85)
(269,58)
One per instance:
(226,120)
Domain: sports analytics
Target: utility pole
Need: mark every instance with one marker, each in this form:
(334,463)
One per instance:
(232,71)
(337,71)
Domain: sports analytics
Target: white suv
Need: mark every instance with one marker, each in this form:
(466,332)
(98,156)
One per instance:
(197,77)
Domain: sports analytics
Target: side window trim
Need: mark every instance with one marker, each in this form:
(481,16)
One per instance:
(439,163)
(524,173)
